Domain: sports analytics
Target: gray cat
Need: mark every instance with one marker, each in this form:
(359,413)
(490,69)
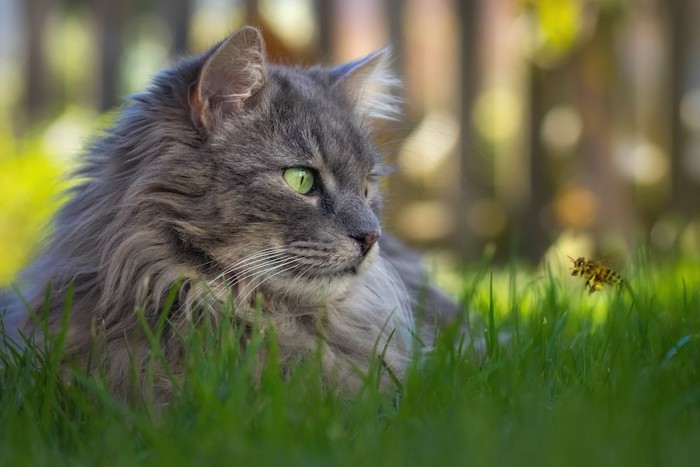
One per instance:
(244,181)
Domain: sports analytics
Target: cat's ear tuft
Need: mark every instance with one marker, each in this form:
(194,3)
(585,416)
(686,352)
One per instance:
(232,74)
(371,84)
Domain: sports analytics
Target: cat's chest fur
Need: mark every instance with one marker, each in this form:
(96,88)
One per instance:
(372,318)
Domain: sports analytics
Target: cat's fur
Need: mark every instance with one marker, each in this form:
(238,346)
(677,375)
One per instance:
(188,185)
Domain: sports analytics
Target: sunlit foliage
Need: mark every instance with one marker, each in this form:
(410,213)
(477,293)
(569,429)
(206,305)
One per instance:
(31,184)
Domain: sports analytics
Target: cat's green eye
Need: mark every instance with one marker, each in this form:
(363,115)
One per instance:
(300,179)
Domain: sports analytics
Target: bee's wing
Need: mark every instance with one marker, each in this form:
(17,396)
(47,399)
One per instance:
(611,259)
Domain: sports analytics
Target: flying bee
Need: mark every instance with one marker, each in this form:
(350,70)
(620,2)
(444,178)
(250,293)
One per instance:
(596,274)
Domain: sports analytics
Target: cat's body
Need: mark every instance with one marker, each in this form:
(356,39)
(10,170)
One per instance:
(189,187)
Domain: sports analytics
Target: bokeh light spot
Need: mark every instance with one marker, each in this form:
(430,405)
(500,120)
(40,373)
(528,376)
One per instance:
(426,221)
(644,163)
(293,20)
(487,218)
(576,207)
(561,128)
(497,114)
(429,146)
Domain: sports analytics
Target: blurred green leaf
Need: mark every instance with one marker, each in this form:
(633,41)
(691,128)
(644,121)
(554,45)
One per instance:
(31,182)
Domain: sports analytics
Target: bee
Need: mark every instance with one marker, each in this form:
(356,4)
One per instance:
(596,274)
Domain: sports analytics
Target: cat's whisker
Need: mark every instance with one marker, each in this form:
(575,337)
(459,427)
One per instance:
(247,296)
(259,266)
(214,284)
(296,278)
(247,270)
(252,275)
(240,270)
(291,264)
(257,255)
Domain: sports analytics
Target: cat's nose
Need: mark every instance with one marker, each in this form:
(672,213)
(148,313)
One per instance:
(366,241)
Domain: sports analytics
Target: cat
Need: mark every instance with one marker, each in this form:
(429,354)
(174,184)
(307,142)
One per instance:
(236,179)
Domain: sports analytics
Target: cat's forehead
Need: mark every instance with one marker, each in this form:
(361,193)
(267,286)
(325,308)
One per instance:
(318,121)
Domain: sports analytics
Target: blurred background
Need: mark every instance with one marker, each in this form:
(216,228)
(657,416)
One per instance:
(539,128)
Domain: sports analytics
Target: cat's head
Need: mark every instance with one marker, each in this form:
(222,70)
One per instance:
(282,184)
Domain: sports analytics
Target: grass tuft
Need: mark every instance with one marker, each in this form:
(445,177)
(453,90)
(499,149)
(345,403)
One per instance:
(558,377)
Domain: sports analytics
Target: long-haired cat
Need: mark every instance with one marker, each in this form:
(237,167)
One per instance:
(242,180)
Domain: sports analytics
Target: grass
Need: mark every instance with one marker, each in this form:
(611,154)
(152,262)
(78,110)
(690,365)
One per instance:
(606,379)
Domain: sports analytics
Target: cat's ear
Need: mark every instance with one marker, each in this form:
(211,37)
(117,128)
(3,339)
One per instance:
(232,74)
(371,84)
